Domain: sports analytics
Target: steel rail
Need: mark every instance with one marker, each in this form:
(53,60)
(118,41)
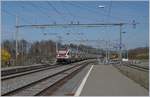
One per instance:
(38,81)
(137,67)
(28,72)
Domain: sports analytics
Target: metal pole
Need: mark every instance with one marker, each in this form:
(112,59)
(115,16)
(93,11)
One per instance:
(16,36)
(58,41)
(56,47)
(127,54)
(77,51)
(106,51)
(120,47)
(22,46)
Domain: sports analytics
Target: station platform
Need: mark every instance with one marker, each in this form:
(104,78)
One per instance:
(106,80)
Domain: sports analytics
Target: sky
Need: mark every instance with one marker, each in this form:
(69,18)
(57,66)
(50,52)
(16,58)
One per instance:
(86,12)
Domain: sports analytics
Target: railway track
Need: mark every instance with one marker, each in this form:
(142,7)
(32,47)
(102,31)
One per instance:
(28,72)
(19,69)
(141,68)
(36,82)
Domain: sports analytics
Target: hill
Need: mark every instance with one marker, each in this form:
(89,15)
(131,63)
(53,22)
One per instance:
(139,53)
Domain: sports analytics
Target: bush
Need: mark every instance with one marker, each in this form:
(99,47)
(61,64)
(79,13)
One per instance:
(5,56)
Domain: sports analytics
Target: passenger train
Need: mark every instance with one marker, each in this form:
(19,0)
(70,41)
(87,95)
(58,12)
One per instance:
(72,55)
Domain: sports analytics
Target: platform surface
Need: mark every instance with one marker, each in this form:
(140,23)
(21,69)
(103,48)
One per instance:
(106,80)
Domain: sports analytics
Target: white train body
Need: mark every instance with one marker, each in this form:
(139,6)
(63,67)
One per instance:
(72,55)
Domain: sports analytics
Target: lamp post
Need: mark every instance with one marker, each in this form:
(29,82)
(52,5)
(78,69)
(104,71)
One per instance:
(120,45)
(101,6)
(16,36)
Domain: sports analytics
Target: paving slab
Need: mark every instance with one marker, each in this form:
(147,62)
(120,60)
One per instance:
(106,80)
(71,86)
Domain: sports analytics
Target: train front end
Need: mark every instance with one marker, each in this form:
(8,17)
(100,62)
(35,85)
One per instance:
(62,56)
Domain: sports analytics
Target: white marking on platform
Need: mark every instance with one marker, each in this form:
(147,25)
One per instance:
(79,90)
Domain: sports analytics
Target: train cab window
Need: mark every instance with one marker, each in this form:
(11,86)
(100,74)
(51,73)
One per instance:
(68,53)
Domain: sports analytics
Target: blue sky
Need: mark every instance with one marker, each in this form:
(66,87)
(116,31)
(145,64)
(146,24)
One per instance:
(40,12)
